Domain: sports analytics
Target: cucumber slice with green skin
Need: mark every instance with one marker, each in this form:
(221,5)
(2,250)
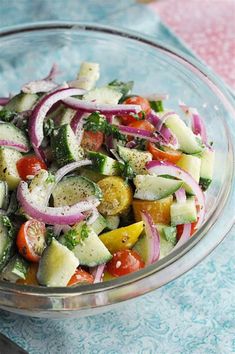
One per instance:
(22,102)
(16,268)
(6,246)
(103,164)
(91,174)
(40,186)
(192,165)
(8,170)
(9,131)
(113,222)
(188,142)
(207,167)
(57,265)
(4,198)
(142,245)
(88,74)
(99,225)
(103,95)
(150,187)
(73,189)
(183,212)
(64,146)
(136,159)
(90,251)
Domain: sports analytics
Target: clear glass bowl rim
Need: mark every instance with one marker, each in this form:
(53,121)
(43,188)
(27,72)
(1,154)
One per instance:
(178,256)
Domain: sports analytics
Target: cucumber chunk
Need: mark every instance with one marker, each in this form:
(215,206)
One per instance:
(4,198)
(136,159)
(10,132)
(99,225)
(90,251)
(103,95)
(183,212)
(57,265)
(17,268)
(88,74)
(64,145)
(188,142)
(103,164)
(154,188)
(73,189)
(8,170)
(22,102)
(192,165)
(207,166)
(6,245)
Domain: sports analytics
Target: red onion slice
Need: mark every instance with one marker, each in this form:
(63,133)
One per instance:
(89,107)
(77,125)
(180,195)
(184,237)
(164,168)
(69,168)
(138,133)
(153,238)
(52,216)
(97,273)
(16,146)
(40,111)
(166,134)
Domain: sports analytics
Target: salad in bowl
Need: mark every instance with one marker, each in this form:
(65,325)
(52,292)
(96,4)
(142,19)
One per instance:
(96,182)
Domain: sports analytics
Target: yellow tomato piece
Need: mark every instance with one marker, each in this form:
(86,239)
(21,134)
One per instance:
(122,238)
(158,209)
(117,196)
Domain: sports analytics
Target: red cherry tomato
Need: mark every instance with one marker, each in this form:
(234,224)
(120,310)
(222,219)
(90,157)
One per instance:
(180,229)
(92,141)
(166,155)
(137,100)
(80,276)
(29,166)
(142,124)
(124,262)
(31,240)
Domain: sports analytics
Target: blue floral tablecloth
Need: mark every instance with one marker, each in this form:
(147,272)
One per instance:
(194,314)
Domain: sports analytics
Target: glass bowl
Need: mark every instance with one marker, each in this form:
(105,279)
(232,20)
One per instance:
(27,52)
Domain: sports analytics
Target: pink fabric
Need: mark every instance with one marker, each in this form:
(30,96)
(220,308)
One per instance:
(208,27)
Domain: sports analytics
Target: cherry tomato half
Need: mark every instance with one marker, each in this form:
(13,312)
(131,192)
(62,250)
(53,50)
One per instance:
(137,100)
(166,155)
(142,124)
(29,166)
(92,141)
(124,262)
(31,241)
(81,276)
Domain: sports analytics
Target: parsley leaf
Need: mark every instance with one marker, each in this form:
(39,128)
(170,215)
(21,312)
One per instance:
(95,122)
(126,170)
(84,233)
(50,178)
(157,106)
(7,115)
(74,237)
(10,227)
(48,127)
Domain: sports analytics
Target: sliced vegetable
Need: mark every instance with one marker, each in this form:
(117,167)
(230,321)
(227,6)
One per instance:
(4,197)
(103,95)
(103,164)
(99,225)
(165,154)
(122,238)
(31,240)
(192,165)
(16,268)
(8,170)
(207,167)
(57,265)
(80,277)
(124,262)
(183,212)
(13,137)
(98,273)
(92,141)
(153,238)
(158,209)
(117,196)
(136,100)
(22,102)
(135,158)
(112,222)
(154,187)
(29,166)
(7,236)
(88,75)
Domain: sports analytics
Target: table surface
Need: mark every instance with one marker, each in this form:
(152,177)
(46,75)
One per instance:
(195,313)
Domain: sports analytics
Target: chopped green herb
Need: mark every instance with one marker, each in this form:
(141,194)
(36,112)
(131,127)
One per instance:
(95,122)
(7,115)
(49,235)
(84,233)
(140,116)
(48,127)
(50,178)
(10,227)
(71,239)
(126,170)
(157,106)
